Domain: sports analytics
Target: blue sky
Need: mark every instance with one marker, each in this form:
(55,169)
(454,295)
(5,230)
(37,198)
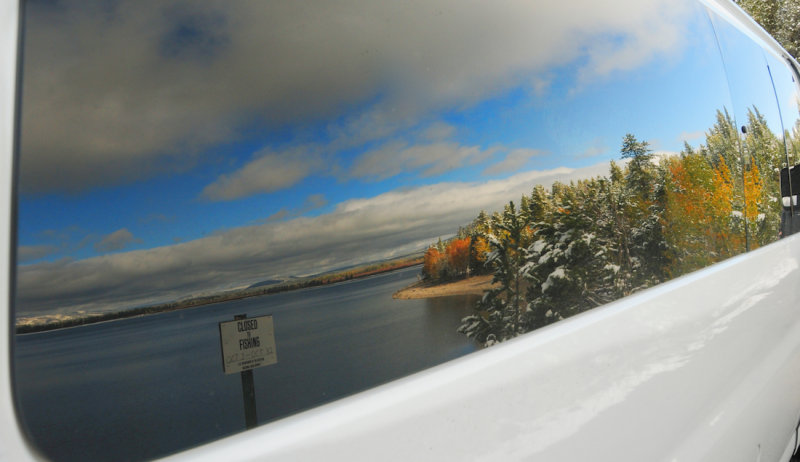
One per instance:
(233,144)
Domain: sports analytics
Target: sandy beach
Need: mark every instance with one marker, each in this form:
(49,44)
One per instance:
(475,285)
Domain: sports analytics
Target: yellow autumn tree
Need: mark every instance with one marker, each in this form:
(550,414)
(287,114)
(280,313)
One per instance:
(697,219)
(754,206)
(478,255)
(728,241)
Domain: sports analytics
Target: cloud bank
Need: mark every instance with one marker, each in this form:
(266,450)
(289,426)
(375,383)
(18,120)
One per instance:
(428,159)
(115,241)
(269,171)
(169,81)
(356,231)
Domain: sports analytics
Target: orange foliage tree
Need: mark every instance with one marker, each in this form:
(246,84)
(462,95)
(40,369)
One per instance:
(432,262)
(698,225)
(458,256)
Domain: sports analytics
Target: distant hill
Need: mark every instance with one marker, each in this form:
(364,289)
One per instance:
(42,323)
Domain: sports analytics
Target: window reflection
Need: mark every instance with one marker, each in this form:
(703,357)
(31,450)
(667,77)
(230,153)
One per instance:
(784,82)
(756,115)
(392,198)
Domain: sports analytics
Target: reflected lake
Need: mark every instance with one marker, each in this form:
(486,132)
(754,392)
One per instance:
(145,387)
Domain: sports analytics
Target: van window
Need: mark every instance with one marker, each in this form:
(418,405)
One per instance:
(364,189)
(784,79)
(760,132)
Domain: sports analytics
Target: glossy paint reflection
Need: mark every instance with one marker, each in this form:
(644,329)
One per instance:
(206,149)
(144,387)
(755,109)
(667,373)
(382,165)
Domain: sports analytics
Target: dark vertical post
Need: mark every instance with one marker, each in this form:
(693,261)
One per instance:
(248,392)
(785,150)
(742,144)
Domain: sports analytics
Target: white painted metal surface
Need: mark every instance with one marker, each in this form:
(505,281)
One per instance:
(703,368)
(12,445)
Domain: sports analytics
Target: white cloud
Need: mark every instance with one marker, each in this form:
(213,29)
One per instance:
(639,42)
(431,159)
(357,230)
(540,84)
(268,171)
(312,202)
(278,216)
(597,147)
(117,240)
(93,115)
(692,136)
(27,253)
(439,131)
(513,161)
(659,155)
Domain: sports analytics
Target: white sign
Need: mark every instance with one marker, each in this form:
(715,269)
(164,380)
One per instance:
(247,344)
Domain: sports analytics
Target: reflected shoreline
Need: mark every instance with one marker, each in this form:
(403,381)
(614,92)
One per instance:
(475,285)
(53,322)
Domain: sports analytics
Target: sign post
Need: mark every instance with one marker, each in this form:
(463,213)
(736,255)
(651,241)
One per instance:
(247,344)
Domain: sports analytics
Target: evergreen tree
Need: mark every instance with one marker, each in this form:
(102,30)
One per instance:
(481,223)
(640,168)
(781,18)
(525,210)
(722,142)
(588,243)
(643,208)
(568,269)
(765,153)
(500,311)
(538,205)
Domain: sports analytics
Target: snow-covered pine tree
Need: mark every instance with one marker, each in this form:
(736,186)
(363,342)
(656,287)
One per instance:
(781,18)
(644,209)
(766,152)
(499,313)
(568,265)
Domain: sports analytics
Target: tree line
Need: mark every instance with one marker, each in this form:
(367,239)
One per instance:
(562,251)
(781,18)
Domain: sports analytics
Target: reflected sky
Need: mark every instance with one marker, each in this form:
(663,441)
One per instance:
(181,148)
(785,91)
(748,76)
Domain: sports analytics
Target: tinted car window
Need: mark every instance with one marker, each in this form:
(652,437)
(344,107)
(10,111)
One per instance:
(757,118)
(394,186)
(784,79)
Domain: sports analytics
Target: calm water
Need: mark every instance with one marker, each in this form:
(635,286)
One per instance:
(145,387)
